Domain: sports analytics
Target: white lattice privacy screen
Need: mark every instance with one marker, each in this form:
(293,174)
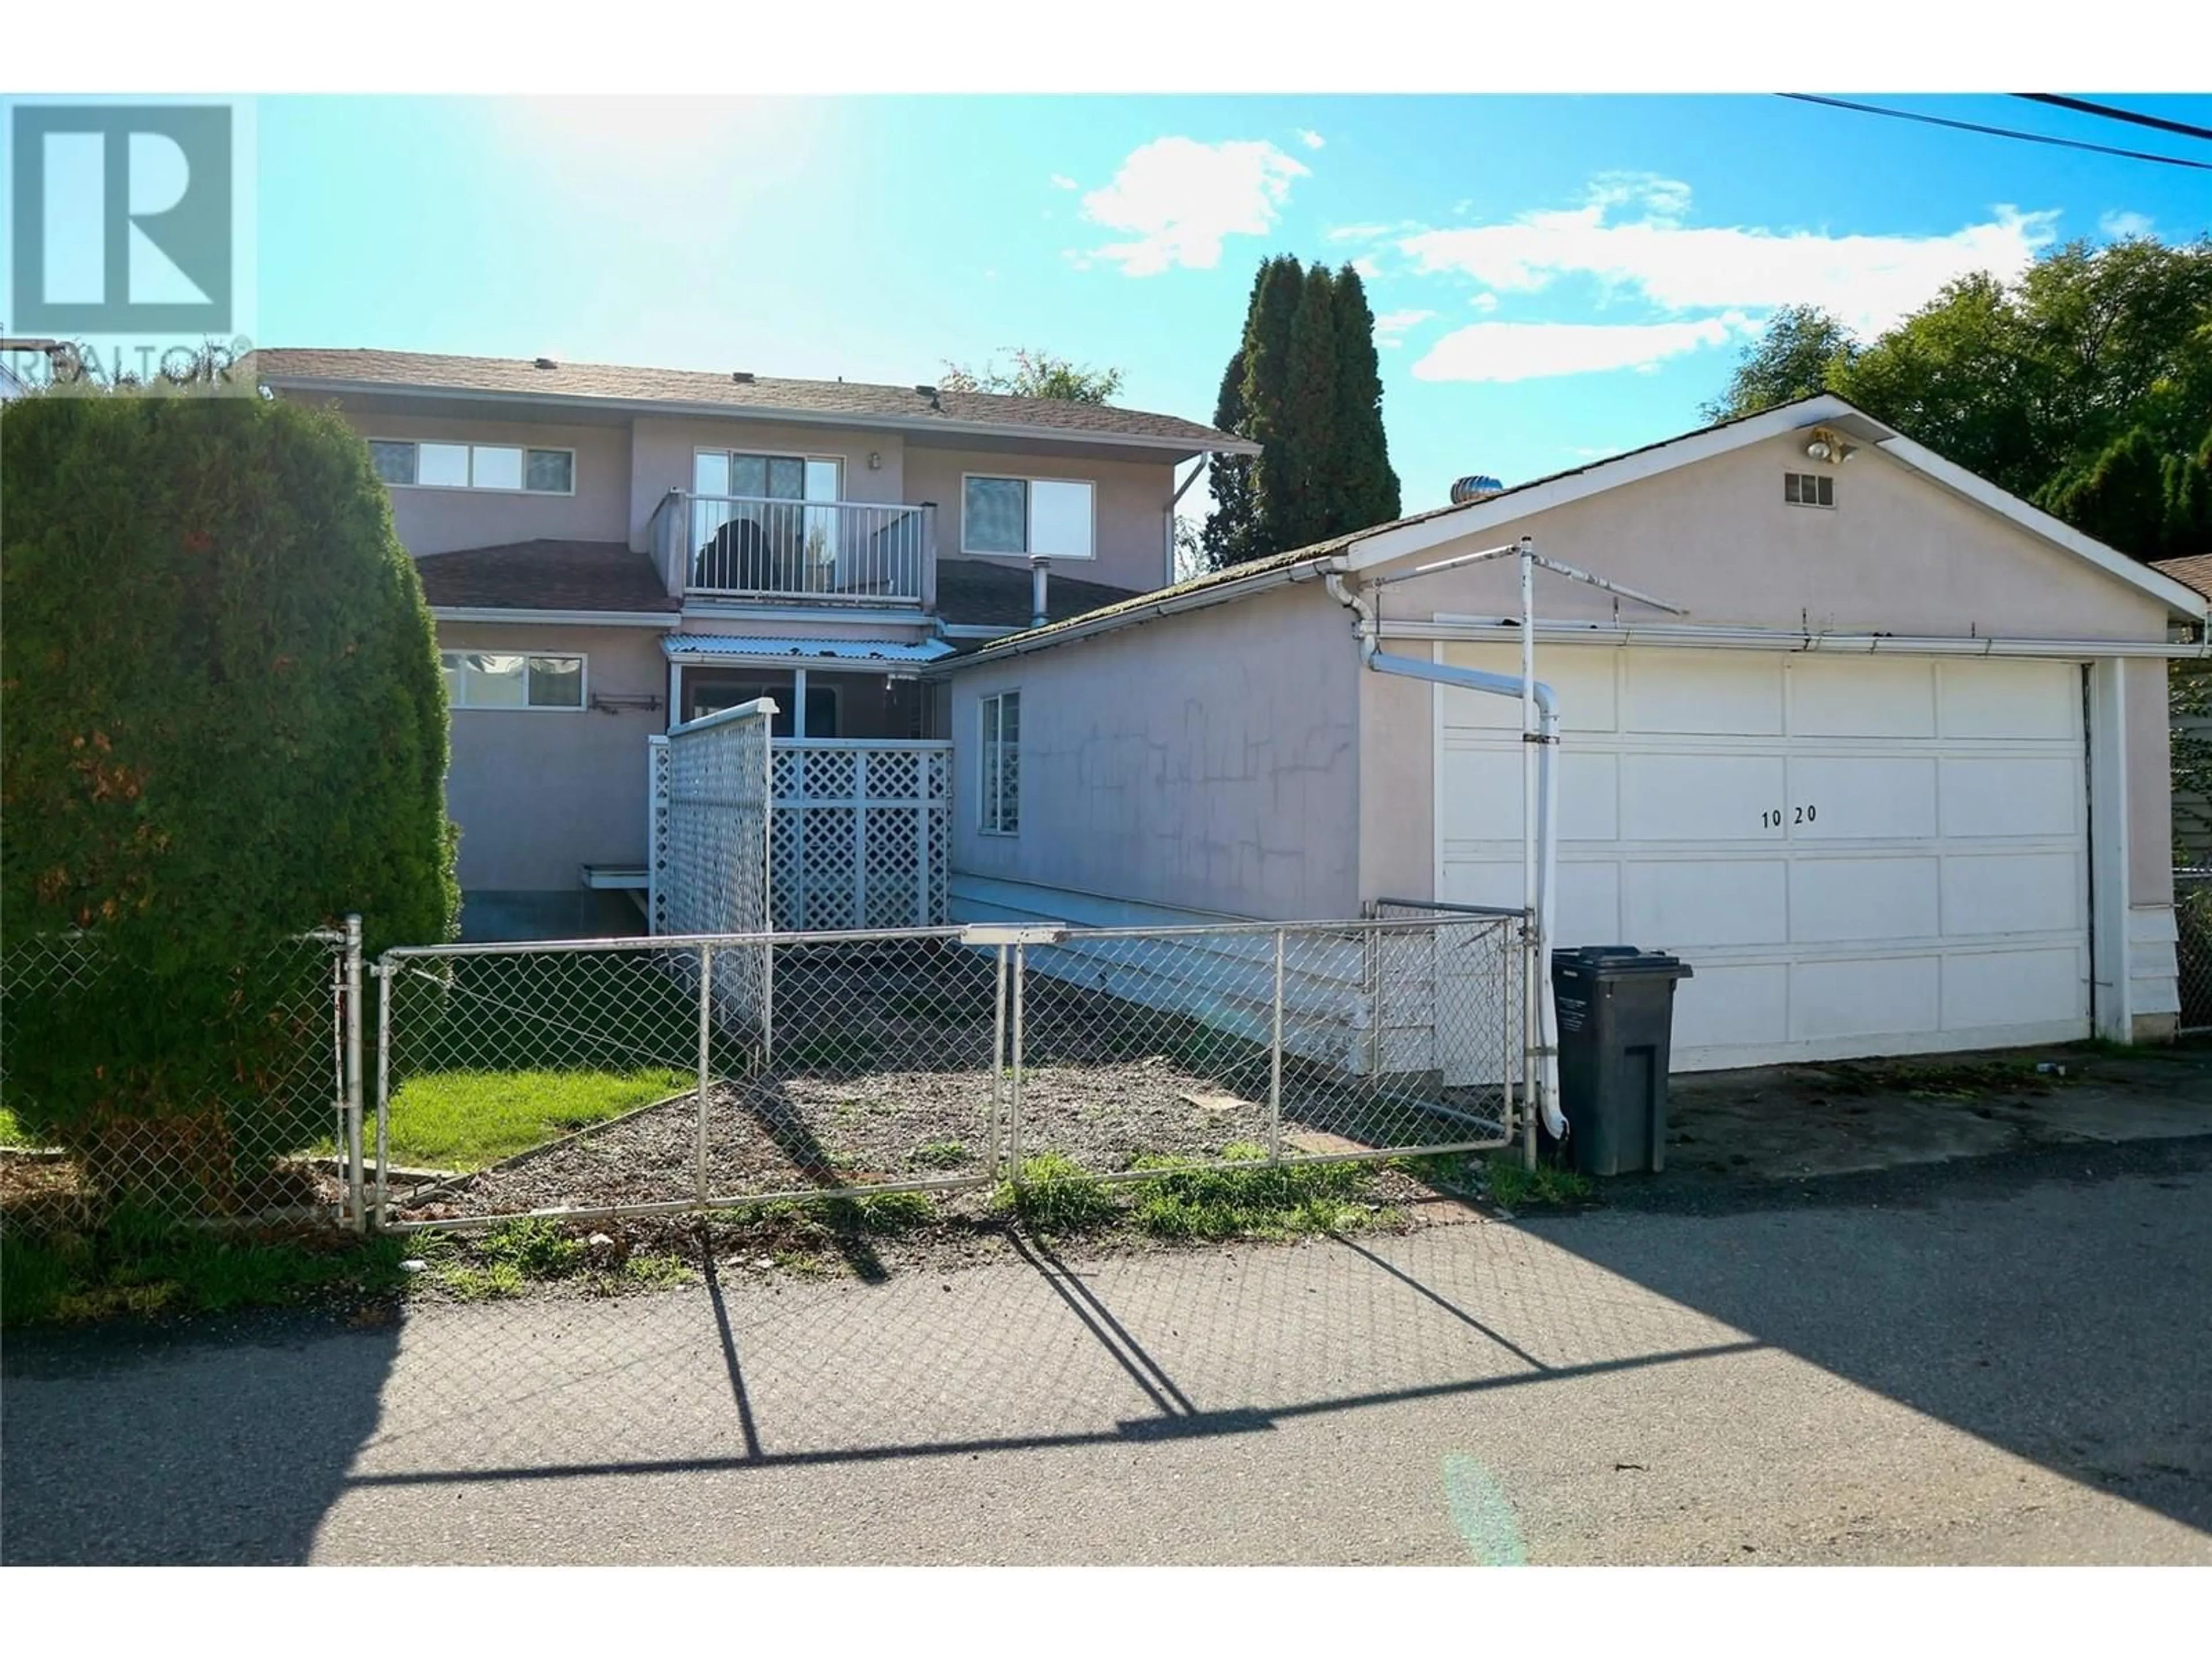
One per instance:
(862,834)
(709,848)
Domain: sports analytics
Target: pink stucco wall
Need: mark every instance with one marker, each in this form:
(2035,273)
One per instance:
(1206,762)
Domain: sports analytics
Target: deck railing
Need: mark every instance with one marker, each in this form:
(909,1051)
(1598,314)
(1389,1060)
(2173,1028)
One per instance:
(753,547)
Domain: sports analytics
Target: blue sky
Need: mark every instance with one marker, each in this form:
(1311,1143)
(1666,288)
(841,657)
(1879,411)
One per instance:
(1564,276)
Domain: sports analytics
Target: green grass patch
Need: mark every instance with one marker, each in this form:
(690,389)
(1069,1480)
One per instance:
(1053,1193)
(136,1265)
(11,1131)
(466,1120)
(942,1155)
(1223,1200)
(1510,1184)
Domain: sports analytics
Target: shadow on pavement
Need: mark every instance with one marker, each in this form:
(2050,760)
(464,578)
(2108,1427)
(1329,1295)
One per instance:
(2051,1302)
(222,1444)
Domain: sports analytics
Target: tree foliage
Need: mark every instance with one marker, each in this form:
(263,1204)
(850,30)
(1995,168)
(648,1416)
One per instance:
(226,725)
(2085,386)
(1035,374)
(1795,357)
(1305,385)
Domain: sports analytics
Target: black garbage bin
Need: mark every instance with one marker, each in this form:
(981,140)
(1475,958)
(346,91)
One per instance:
(1616,1014)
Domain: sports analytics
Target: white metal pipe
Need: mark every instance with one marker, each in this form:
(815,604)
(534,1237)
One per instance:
(1452,563)
(1480,629)
(1543,1083)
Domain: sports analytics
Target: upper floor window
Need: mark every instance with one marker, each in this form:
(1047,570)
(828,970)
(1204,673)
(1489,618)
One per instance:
(501,679)
(766,477)
(1048,516)
(1001,803)
(475,467)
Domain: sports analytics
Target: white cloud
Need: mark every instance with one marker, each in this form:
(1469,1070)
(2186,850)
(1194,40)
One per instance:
(1529,351)
(2120,223)
(1485,301)
(1179,198)
(1310,139)
(1630,237)
(1061,181)
(1391,328)
(1367,266)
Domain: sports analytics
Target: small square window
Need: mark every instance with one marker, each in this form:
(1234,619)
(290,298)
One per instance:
(395,462)
(497,466)
(556,681)
(445,465)
(551,471)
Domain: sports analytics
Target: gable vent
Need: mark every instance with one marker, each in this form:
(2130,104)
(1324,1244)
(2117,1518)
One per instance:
(1809,490)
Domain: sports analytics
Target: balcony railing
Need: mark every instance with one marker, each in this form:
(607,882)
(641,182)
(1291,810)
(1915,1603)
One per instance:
(751,547)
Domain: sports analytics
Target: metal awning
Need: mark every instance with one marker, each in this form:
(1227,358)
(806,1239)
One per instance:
(772,651)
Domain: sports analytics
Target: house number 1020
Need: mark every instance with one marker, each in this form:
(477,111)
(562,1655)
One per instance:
(1776,819)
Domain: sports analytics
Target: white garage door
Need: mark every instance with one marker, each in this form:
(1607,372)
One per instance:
(1858,854)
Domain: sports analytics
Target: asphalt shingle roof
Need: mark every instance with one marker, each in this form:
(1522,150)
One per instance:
(544,575)
(398,371)
(977,593)
(2194,571)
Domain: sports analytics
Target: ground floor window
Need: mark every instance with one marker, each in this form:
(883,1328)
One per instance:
(707,694)
(511,679)
(1001,780)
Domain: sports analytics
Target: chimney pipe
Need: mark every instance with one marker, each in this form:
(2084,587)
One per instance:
(1038,563)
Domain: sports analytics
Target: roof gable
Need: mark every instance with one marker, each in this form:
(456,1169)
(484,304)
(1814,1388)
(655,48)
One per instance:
(1389,542)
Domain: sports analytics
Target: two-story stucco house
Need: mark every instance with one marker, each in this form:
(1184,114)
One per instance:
(609,552)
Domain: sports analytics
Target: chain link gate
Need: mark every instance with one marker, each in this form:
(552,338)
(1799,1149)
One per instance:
(2192,917)
(928,1059)
(282,1142)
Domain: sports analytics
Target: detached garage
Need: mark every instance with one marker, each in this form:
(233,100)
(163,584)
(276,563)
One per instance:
(1894,780)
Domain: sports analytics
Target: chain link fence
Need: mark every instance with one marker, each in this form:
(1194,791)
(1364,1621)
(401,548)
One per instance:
(2192,916)
(609,1077)
(183,1096)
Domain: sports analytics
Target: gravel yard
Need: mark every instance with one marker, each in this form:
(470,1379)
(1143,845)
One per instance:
(883,1073)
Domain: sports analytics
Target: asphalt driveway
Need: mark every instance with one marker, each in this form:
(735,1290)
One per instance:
(2003,1360)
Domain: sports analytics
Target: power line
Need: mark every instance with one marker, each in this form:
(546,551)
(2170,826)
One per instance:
(1997,132)
(2111,113)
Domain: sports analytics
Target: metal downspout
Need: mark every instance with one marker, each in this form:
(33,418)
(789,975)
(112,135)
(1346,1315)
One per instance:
(1544,881)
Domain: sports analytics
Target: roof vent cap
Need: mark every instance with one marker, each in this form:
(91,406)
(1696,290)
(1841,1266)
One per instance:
(546,362)
(1475,487)
(742,376)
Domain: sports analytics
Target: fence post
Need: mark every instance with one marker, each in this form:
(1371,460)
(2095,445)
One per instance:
(658,766)
(706,1025)
(1014,1109)
(998,1057)
(1532,1040)
(356,1213)
(1275,1062)
(860,811)
(384,978)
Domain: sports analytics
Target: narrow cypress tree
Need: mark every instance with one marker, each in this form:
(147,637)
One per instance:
(1310,435)
(1267,381)
(1226,539)
(1370,494)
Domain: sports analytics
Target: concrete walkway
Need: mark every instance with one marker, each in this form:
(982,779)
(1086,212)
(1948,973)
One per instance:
(2012,1369)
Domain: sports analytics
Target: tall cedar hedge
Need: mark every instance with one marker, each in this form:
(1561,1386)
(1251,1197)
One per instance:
(225,724)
